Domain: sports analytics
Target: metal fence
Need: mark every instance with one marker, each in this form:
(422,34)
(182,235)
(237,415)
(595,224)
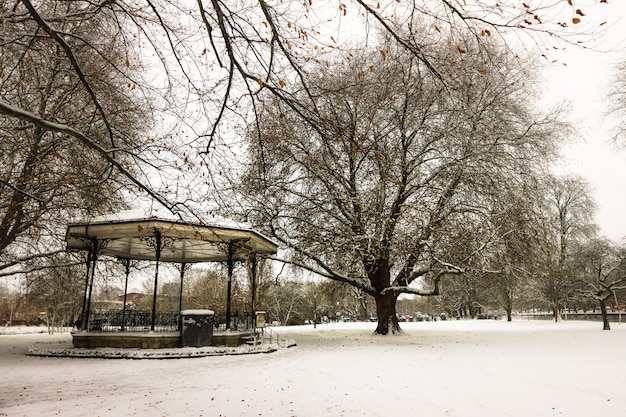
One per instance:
(133,320)
(113,320)
(238,321)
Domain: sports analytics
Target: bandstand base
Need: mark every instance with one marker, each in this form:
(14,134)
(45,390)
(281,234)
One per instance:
(142,340)
(126,340)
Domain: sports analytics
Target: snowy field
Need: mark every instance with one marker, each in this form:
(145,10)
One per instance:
(455,368)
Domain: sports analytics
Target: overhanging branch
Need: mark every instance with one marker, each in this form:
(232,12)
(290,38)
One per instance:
(360,284)
(37,268)
(416,291)
(54,34)
(108,155)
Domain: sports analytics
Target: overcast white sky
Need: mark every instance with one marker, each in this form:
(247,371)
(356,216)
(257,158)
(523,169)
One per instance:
(586,82)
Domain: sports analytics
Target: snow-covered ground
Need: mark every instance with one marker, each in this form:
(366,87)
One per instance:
(454,368)
(14,330)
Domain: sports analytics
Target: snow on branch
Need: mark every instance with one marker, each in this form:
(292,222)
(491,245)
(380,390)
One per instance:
(108,155)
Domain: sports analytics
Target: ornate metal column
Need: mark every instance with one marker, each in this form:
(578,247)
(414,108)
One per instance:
(158,243)
(253,266)
(92,258)
(230,263)
(157,248)
(83,311)
(125,294)
(183,267)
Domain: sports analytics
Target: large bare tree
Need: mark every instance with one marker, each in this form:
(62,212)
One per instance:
(389,172)
(47,176)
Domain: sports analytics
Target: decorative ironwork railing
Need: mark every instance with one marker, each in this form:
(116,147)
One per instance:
(133,320)
(113,320)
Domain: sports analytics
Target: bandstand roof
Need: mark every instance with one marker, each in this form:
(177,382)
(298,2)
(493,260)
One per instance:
(132,235)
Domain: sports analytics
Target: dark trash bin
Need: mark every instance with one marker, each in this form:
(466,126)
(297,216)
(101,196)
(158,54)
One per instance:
(197,328)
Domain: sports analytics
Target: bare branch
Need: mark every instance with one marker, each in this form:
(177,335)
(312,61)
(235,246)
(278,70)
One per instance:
(74,62)
(108,155)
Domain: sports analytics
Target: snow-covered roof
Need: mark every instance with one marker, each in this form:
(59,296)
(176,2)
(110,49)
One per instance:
(161,214)
(133,235)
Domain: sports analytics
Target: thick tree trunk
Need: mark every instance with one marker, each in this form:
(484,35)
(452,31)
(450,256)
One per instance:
(556,308)
(386,311)
(509,315)
(605,316)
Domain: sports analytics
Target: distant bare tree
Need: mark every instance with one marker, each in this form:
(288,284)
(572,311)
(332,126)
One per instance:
(287,302)
(601,270)
(513,258)
(58,293)
(567,223)
(207,290)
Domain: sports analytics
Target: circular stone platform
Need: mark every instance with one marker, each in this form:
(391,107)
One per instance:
(66,349)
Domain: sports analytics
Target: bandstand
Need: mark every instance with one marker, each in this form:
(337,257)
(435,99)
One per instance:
(132,235)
